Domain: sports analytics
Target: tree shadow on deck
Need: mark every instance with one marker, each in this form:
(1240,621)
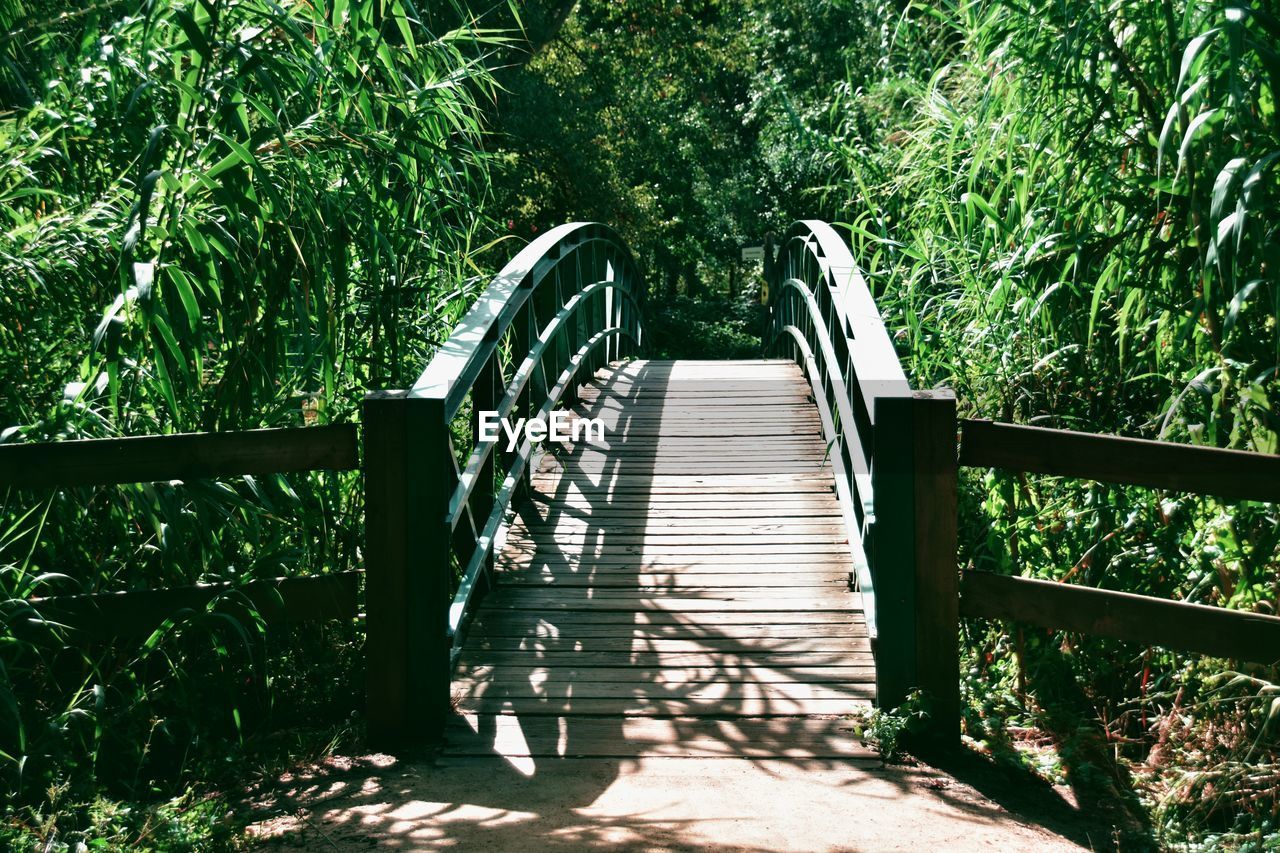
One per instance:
(553,682)
(552,645)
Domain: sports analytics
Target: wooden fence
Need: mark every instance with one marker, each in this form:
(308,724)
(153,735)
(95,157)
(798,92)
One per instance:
(189,456)
(920,602)
(1148,620)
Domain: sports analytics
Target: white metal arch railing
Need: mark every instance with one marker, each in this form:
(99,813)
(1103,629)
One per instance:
(823,314)
(567,303)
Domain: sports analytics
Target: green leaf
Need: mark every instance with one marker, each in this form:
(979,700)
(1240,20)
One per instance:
(186,293)
(1099,288)
(192,30)
(972,199)
(1237,302)
(1192,52)
(243,153)
(1166,133)
(1193,129)
(1223,183)
(406,33)
(1254,176)
(1251,181)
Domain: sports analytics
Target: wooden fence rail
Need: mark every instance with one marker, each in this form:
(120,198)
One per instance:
(188,456)
(182,456)
(1233,474)
(139,612)
(1142,619)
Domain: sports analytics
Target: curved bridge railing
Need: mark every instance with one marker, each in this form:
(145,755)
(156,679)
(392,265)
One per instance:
(887,450)
(437,490)
(822,314)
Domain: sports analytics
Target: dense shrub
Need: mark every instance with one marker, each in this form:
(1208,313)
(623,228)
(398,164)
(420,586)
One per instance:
(1070,213)
(213,215)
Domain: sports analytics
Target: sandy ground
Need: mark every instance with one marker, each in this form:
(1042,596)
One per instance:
(654,803)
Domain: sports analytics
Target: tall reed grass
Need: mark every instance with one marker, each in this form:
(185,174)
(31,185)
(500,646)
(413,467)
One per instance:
(1072,216)
(214,214)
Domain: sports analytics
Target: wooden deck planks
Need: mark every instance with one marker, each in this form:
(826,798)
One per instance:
(678,589)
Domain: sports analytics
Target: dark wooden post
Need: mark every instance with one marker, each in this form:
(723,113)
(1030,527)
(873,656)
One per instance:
(407,569)
(914,554)
(892,544)
(937,578)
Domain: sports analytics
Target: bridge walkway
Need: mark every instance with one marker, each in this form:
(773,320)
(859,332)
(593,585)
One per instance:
(680,588)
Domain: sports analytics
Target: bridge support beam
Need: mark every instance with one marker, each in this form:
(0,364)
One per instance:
(407,568)
(914,554)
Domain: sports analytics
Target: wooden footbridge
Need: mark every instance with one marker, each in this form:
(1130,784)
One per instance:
(751,552)
(703,560)
(768,542)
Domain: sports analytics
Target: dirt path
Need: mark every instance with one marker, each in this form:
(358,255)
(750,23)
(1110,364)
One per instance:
(646,803)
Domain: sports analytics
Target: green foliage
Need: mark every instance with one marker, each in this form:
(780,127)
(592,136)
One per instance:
(1070,213)
(214,215)
(1046,211)
(694,127)
(706,328)
(246,206)
(185,822)
(885,728)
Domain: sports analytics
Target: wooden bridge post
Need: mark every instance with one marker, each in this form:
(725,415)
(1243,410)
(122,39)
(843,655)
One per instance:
(937,577)
(914,554)
(893,547)
(407,567)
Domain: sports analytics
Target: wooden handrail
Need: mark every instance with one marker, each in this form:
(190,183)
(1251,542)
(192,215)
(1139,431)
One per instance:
(1123,616)
(138,612)
(893,457)
(468,478)
(182,456)
(823,314)
(1233,474)
(462,359)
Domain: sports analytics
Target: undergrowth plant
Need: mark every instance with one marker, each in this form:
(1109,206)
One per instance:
(1070,217)
(217,214)
(886,727)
